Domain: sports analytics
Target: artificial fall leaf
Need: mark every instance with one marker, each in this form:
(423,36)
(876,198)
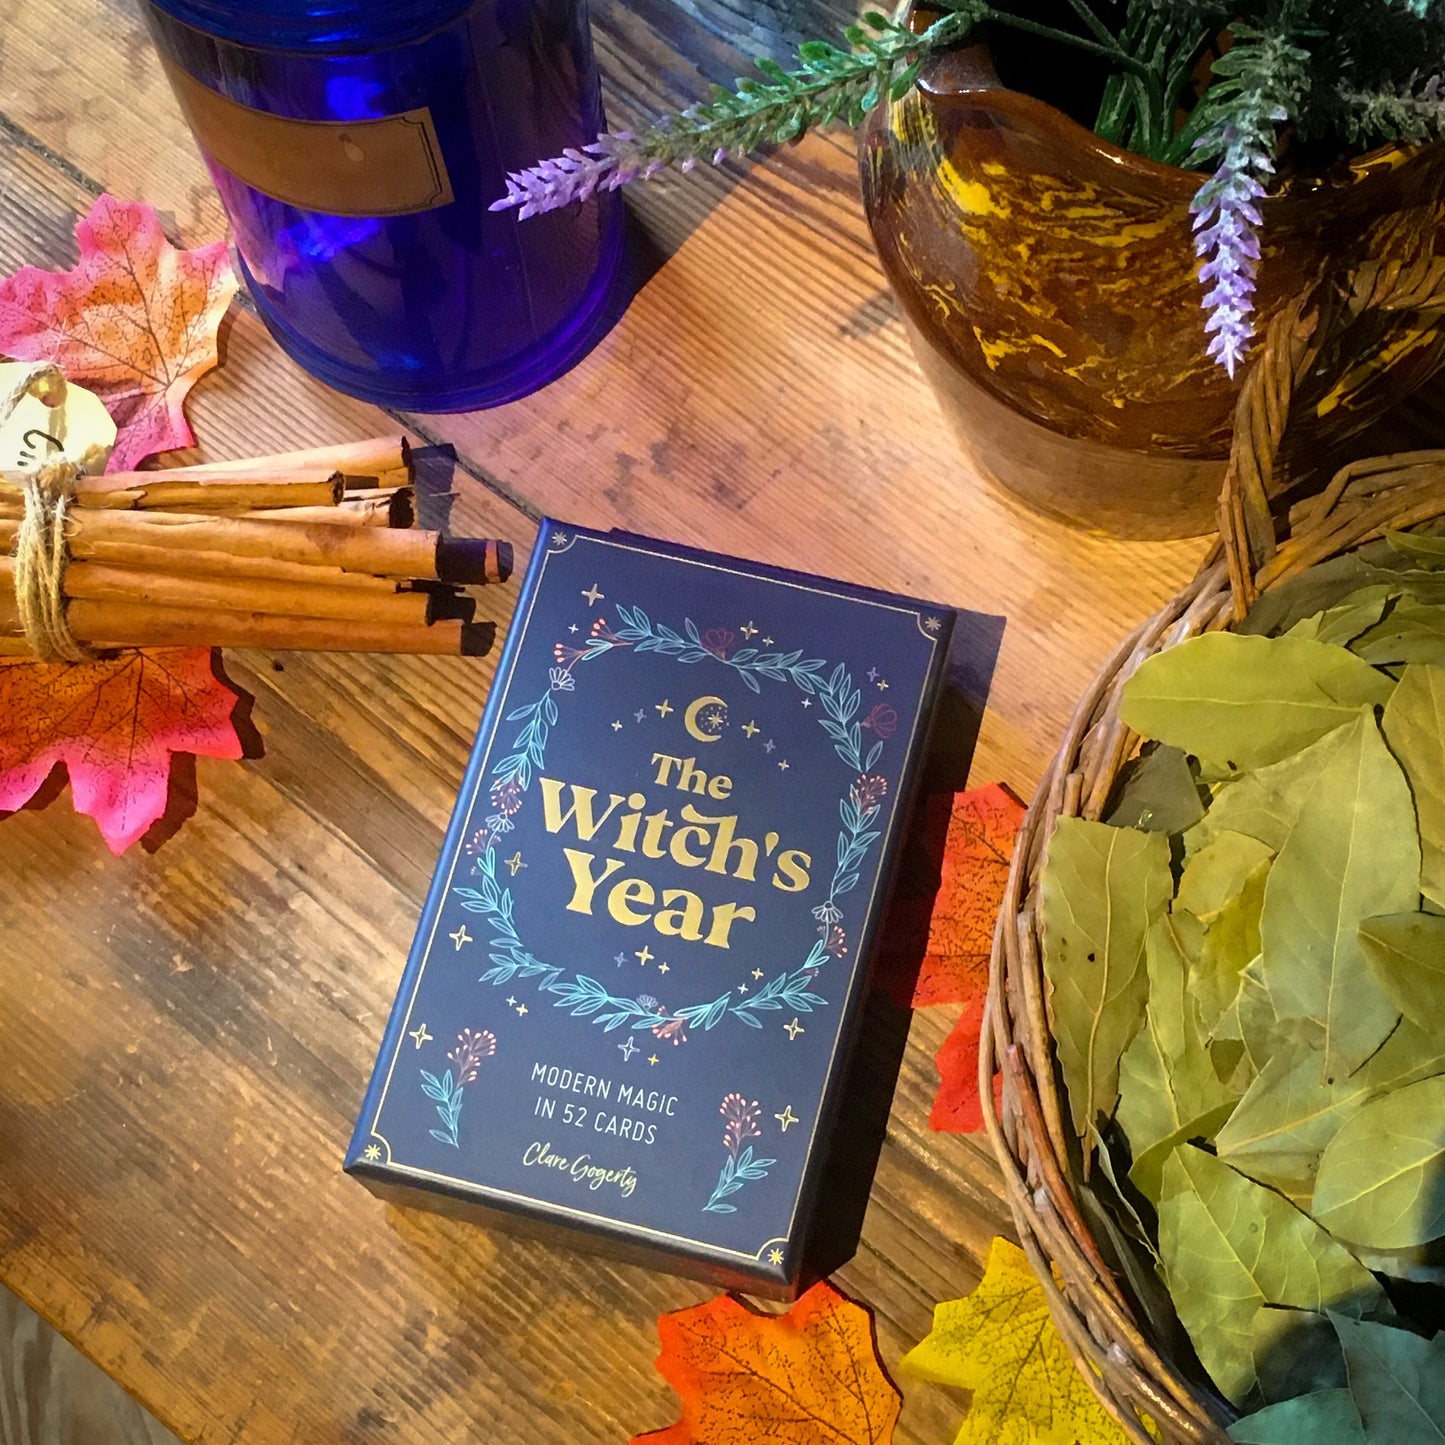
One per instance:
(957,1107)
(1001,1343)
(135,320)
(114,725)
(975,867)
(793,1379)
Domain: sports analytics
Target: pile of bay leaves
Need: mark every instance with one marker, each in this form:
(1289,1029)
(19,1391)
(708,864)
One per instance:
(1246,968)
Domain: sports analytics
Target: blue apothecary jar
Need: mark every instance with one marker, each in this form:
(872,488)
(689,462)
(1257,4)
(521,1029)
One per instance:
(357,146)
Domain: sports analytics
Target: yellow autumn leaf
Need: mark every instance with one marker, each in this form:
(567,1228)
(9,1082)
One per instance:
(1001,1344)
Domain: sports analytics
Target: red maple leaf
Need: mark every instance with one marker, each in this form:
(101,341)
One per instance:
(793,1379)
(957,1107)
(975,868)
(114,724)
(135,321)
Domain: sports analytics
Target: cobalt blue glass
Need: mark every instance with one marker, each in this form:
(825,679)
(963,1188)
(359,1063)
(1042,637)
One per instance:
(357,146)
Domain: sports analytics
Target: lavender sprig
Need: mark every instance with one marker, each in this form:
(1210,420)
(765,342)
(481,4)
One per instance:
(829,83)
(1260,81)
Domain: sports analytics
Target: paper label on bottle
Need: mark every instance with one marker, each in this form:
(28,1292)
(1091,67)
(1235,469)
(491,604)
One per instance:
(386,166)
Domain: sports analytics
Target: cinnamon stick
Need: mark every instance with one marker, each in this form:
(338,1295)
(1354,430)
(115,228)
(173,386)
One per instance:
(108,625)
(100,582)
(144,557)
(369,458)
(380,551)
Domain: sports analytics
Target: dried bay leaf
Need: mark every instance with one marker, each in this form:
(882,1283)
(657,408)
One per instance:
(1100,890)
(1157,792)
(1295,1353)
(1230,1248)
(1325,585)
(1327,1417)
(1397,1380)
(1412,632)
(1217,872)
(1248,701)
(1414,724)
(1289,1114)
(1422,547)
(1347,619)
(1168,1090)
(1381,1181)
(1265,803)
(1351,855)
(1231,944)
(1406,954)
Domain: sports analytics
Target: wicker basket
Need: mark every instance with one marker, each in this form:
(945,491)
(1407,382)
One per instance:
(1118,1353)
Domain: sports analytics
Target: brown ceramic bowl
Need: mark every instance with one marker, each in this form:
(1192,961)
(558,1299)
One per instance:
(1048,281)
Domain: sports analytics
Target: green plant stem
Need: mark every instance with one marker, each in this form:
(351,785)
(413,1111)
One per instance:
(1085,12)
(1111,51)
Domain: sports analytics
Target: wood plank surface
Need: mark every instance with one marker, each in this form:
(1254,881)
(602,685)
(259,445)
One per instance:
(50,1394)
(187,1032)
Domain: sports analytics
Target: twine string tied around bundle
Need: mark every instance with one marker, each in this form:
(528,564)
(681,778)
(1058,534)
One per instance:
(41,549)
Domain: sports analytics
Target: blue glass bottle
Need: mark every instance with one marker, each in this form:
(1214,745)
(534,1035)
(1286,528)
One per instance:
(357,145)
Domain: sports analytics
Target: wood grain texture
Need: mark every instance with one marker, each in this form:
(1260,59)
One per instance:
(50,1394)
(188,1032)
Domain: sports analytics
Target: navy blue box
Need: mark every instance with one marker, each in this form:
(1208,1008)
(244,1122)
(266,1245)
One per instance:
(641,961)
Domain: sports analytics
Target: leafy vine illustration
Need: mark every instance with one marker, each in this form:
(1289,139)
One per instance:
(471,1049)
(739,1167)
(511,775)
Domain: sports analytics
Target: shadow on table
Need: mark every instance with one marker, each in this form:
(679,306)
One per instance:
(861,1122)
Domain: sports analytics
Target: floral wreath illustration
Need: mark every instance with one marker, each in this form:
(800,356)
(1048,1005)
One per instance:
(511,776)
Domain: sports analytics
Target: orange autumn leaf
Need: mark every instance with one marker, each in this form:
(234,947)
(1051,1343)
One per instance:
(975,868)
(792,1379)
(115,725)
(957,1107)
(134,320)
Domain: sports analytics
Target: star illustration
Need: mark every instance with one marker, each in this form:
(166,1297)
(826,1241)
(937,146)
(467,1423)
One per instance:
(620,959)
(515,862)
(644,955)
(663,708)
(807,702)
(872,674)
(757,973)
(787,1117)
(521,1010)
(793,1030)
(750,727)
(748,631)
(775,1256)
(594,595)
(664,968)
(511,1000)
(460,937)
(783,766)
(932,623)
(560,540)
(882,684)
(371,1153)
(742,988)
(628,1049)
(652,1058)
(769,745)
(572,628)
(617,726)
(421,1036)
(767,642)
(640,714)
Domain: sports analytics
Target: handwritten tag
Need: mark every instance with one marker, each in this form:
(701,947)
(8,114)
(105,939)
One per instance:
(42,426)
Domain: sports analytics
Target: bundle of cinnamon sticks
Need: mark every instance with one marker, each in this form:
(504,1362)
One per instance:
(312,550)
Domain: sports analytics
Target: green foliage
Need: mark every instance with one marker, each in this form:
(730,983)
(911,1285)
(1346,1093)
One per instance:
(1283,1103)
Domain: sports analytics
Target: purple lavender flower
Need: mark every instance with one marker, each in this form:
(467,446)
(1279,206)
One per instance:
(575,175)
(1226,222)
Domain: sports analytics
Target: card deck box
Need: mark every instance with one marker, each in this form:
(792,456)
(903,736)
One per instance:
(640,965)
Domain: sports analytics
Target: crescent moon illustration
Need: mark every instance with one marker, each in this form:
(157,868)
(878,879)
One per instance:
(706,712)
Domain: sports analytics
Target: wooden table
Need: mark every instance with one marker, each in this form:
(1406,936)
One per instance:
(186,1033)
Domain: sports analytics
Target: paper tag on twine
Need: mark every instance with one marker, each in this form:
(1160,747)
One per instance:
(41,427)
